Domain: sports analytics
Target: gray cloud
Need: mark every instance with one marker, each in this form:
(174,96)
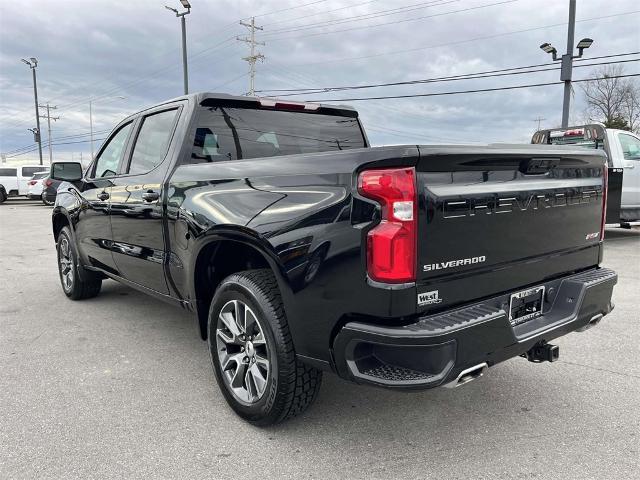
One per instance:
(100,50)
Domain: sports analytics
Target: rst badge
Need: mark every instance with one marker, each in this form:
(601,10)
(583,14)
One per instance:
(429,298)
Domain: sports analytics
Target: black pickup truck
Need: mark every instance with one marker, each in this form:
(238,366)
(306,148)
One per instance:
(301,249)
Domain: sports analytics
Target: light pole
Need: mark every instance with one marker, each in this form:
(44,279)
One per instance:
(91,120)
(33,63)
(566,66)
(187,5)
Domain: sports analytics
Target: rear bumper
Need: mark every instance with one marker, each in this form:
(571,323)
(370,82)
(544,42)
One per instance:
(436,349)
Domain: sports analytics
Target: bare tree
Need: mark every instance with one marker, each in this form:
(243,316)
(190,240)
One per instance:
(631,107)
(611,100)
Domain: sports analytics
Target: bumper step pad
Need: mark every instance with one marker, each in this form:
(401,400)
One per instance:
(437,348)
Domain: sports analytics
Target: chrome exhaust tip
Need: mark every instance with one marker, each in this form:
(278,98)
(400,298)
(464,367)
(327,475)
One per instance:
(595,320)
(468,375)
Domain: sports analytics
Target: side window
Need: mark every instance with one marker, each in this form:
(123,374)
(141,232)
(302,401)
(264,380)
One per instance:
(8,172)
(109,159)
(630,146)
(29,171)
(152,142)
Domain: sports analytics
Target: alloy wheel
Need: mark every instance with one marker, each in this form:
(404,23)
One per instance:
(65,262)
(242,350)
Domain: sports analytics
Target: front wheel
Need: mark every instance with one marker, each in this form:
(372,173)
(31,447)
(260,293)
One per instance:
(77,283)
(252,351)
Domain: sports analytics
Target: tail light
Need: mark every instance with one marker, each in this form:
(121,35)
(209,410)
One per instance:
(47,182)
(391,245)
(605,188)
(32,182)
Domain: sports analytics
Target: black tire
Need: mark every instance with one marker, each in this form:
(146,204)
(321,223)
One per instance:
(77,283)
(3,195)
(291,386)
(48,203)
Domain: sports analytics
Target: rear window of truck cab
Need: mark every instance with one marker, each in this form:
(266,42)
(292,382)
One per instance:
(230,133)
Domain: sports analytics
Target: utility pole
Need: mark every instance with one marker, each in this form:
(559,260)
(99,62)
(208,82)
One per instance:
(33,63)
(185,75)
(253,56)
(539,119)
(566,66)
(91,128)
(49,118)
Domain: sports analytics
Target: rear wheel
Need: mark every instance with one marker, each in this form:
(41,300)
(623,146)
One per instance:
(252,351)
(77,282)
(48,203)
(3,195)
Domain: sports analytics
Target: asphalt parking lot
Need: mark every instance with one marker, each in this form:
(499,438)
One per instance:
(121,386)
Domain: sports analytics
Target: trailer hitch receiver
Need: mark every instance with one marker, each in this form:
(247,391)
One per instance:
(543,352)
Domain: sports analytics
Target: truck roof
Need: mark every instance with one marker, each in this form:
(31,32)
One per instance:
(214,97)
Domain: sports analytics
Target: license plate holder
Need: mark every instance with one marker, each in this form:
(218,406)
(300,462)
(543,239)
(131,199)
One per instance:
(526,305)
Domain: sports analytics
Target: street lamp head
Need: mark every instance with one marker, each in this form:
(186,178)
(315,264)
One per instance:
(34,60)
(584,43)
(186,4)
(548,48)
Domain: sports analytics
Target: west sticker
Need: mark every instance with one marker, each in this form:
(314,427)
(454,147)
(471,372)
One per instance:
(429,298)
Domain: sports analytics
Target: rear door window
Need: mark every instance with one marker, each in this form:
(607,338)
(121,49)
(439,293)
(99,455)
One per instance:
(29,171)
(153,141)
(8,172)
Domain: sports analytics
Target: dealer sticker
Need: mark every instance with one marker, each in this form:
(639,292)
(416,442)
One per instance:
(429,298)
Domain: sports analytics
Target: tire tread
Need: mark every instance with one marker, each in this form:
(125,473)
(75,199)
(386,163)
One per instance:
(299,383)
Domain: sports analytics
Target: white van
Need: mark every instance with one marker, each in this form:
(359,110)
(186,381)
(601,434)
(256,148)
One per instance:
(14,181)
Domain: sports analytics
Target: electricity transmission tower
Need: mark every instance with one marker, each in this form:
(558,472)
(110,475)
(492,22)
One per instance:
(253,55)
(539,119)
(49,118)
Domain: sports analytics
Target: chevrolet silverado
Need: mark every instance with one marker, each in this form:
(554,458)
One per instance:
(301,249)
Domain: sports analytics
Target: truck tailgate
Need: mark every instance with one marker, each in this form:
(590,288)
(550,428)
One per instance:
(497,218)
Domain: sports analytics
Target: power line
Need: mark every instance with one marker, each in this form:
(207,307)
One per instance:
(364,16)
(459,42)
(469,76)
(53,144)
(459,92)
(287,9)
(477,7)
(460,75)
(320,13)
(66,137)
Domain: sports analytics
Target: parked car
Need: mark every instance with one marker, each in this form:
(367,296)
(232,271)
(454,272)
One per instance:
(52,182)
(36,185)
(623,152)
(14,181)
(436,263)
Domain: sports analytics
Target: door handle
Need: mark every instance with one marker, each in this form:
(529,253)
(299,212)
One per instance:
(103,196)
(150,196)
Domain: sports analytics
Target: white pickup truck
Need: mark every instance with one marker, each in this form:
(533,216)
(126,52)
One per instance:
(623,152)
(14,181)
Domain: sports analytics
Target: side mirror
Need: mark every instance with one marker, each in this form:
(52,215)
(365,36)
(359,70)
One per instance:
(66,171)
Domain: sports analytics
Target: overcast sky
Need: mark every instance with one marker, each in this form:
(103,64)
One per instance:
(101,50)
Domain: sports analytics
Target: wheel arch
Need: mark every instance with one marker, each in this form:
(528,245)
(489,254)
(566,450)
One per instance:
(221,253)
(59,220)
